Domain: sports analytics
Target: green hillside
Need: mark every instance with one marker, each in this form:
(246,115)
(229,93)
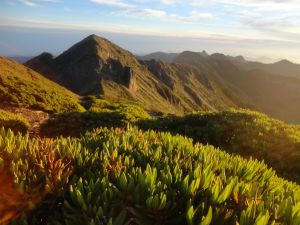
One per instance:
(242,132)
(22,87)
(130,177)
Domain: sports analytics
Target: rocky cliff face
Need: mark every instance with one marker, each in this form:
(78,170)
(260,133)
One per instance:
(115,71)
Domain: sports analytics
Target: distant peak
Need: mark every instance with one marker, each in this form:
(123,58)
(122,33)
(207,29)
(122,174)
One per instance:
(92,36)
(204,53)
(95,37)
(240,58)
(190,53)
(218,55)
(283,61)
(45,55)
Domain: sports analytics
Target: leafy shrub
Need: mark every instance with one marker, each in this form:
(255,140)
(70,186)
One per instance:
(100,114)
(13,122)
(130,177)
(243,132)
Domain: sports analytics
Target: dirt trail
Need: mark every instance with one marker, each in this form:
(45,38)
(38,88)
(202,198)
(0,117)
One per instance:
(35,118)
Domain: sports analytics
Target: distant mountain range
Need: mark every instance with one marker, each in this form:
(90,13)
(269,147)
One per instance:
(263,59)
(20,59)
(175,82)
(281,66)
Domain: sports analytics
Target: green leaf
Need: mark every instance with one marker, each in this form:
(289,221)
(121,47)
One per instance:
(190,215)
(208,218)
(120,219)
(123,182)
(226,192)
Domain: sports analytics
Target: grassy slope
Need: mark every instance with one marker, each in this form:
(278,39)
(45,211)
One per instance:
(243,132)
(22,87)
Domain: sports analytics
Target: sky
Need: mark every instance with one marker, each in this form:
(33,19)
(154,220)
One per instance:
(252,28)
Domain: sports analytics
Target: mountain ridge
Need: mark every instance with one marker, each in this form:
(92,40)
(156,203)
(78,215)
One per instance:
(193,81)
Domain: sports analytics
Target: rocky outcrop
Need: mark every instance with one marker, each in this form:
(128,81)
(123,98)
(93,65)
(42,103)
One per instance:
(114,70)
(129,79)
(162,71)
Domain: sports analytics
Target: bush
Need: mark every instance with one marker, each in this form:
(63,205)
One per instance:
(100,114)
(130,177)
(243,132)
(13,122)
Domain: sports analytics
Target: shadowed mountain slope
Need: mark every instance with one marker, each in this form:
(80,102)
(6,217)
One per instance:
(276,95)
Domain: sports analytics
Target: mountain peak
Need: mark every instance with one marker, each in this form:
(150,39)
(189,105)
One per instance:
(92,36)
(190,57)
(45,57)
(283,62)
(95,38)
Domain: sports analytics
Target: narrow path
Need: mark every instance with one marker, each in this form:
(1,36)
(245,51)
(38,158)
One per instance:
(34,117)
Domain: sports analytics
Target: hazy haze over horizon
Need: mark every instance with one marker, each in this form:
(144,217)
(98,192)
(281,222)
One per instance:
(252,28)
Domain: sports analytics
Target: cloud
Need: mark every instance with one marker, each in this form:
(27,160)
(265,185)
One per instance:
(34,3)
(114,3)
(168,2)
(280,26)
(258,5)
(154,13)
(195,17)
(135,12)
(192,17)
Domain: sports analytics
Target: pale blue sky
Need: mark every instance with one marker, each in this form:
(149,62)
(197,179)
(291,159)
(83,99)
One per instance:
(247,27)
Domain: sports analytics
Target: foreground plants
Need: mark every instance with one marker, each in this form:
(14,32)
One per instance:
(133,177)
